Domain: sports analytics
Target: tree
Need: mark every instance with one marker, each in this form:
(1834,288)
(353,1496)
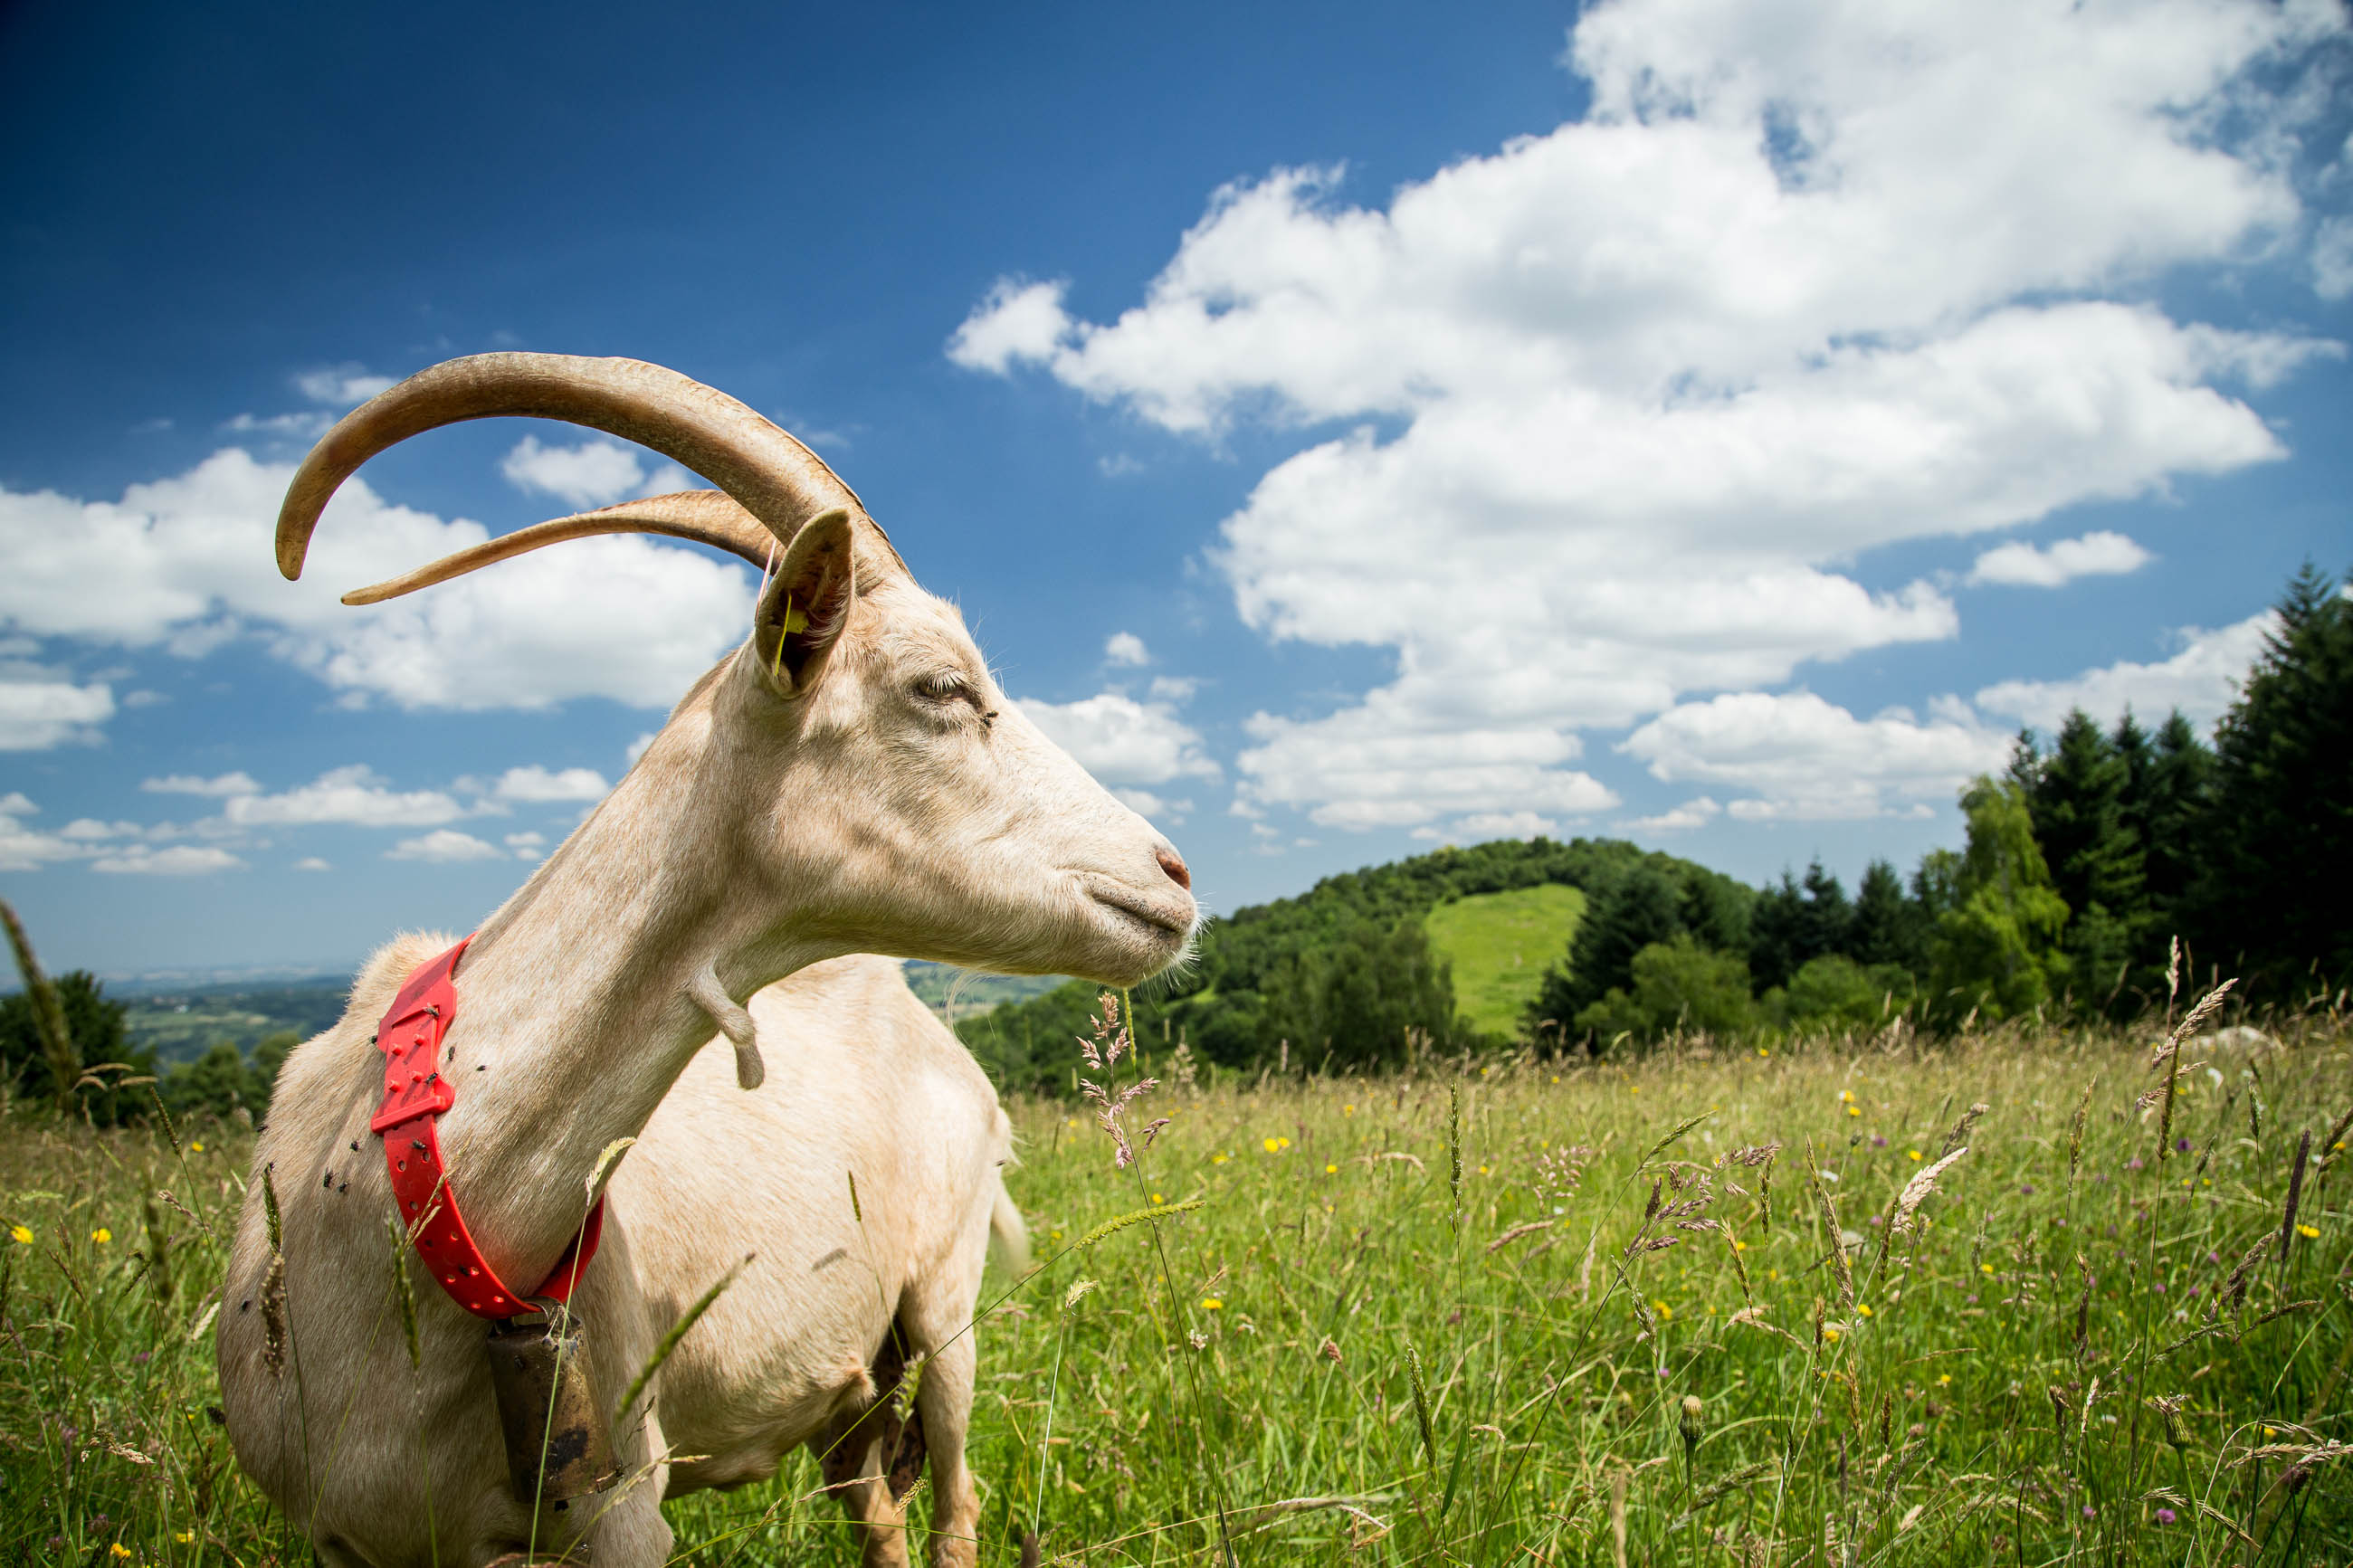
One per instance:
(1796,922)
(1888,927)
(2169,811)
(2080,804)
(1997,945)
(1835,991)
(1630,913)
(1676,985)
(95,1025)
(2277,851)
(1357,996)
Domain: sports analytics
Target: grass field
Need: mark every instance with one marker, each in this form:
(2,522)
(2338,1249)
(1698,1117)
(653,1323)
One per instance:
(1500,945)
(1606,1340)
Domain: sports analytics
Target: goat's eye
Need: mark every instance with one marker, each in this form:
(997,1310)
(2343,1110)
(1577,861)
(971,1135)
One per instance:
(943,686)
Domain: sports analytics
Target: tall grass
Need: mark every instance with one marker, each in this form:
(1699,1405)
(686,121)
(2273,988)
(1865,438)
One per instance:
(1647,1335)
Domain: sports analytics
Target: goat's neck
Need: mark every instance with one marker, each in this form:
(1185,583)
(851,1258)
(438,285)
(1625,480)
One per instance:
(574,1005)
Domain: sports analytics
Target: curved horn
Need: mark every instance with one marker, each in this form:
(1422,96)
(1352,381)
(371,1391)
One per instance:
(778,482)
(703,517)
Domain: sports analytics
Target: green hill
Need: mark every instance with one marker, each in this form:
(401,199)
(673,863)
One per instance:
(1499,945)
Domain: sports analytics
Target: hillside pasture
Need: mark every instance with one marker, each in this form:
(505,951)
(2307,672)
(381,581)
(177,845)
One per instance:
(1500,944)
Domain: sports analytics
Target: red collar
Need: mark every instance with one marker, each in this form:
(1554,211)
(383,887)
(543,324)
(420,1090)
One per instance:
(414,1095)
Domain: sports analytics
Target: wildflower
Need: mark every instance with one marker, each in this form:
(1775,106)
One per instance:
(1330,1169)
(22,1234)
(1739,1246)
(1275,1145)
(1985,1267)
(1212,1304)
(2026,1189)
(1830,1333)
(1158,1199)
(2090,1512)
(183,1536)
(2181,1145)
(196,1148)
(1942,1378)
(2133,1163)
(1351,1111)
(119,1550)
(1855,1111)
(1763,1052)
(1915,1153)
(101,1235)
(1217,1159)
(1878,1141)
(2309,1232)
(1665,1312)
(2164,1516)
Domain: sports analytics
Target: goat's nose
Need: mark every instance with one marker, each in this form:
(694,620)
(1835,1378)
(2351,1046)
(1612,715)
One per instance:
(1174,864)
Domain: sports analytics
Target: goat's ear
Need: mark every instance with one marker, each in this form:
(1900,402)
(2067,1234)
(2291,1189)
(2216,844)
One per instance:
(807,604)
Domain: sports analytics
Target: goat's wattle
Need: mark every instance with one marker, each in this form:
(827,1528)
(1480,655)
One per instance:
(415,1095)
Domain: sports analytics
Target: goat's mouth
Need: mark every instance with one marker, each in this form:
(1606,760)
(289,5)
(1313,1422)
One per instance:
(1170,921)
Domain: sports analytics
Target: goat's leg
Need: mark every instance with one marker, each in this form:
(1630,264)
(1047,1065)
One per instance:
(851,1457)
(944,1401)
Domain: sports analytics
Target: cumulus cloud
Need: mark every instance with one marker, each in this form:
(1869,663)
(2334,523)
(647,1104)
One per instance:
(37,714)
(2024,565)
(1121,741)
(593,474)
(1696,811)
(527,845)
(341,384)
(2203,681)
(533,782)
(176,860)
(313,863)
(184,563)
(239,783)
(1126,648)
(445,845)
(1153,808)
(353,795)
(1804,282)
(1811,760)
(24,847)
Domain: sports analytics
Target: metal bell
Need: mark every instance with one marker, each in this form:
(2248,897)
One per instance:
(558,1444)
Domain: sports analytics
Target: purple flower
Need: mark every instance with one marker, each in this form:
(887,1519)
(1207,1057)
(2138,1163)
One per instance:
(1877,1142)
(2181,1145)
(2026,1188)
(1973,1298)
(2164,1516)
(2193,1290)
(2089,1512)
(2133,1163)
(2157,1286)
(1662,1371)
(2215,1258)
(140,1356)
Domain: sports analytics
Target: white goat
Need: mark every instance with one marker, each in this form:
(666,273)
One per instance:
(849,781)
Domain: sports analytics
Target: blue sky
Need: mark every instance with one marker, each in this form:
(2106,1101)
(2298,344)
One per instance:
(1348,429)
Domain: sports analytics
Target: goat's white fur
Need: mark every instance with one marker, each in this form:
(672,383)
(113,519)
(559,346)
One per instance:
(861,786)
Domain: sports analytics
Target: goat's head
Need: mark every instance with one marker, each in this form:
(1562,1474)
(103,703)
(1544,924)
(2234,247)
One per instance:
(853,764)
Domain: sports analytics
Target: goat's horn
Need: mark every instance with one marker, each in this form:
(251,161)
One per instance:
(778,482)
(704,517)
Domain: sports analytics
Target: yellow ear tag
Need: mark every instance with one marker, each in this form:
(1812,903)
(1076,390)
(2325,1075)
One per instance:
(795,621)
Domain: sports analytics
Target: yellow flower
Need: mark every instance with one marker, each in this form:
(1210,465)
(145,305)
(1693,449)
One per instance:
(1347,1110)
(1863,1307)
(1211,1304)
(1482,1171)
(196,1148)
(1845,1095)
(1763,1052)
(1275,1145)
(1914,1152)
(2309,1232)
(1331,1170)
(184,1536)
(119,1549)
(1739,1246)
(1666,1313)
(1156,1198)
(1555,1077)
(1633,1089)
(101,1235)
(1855,1111)
(1073,1121)
(1985,1267)
(1217,1159)
(1830,1333)
(22,1234)
(1942,1378)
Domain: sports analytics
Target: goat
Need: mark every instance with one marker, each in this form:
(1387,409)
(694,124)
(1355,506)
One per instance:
(850,780)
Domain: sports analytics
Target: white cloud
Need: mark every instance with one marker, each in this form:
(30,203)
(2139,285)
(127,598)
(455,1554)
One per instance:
(178,860)
(37,714)
(25,848)
(1155,808)
(305,426)
(534,783)
(594,473)
(1126,648)
(311,863)
(2024,565)
(2332,258)
(343,385)
(528,845)
(1806,281)
(1696,811)
(1121,741)
(445,845)
(239,783)
(353,795)
(186,563)
(1017,321)
(1810,760)
(1481,825)
(2203,681)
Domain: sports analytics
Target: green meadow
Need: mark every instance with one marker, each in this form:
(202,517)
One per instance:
(1836,1301)
(1500,945)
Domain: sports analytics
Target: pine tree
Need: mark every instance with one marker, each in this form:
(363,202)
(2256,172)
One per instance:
(1888,927)
(1633,910)
(2079,803)
(1796,922)
(2277,850)
(2172,807)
